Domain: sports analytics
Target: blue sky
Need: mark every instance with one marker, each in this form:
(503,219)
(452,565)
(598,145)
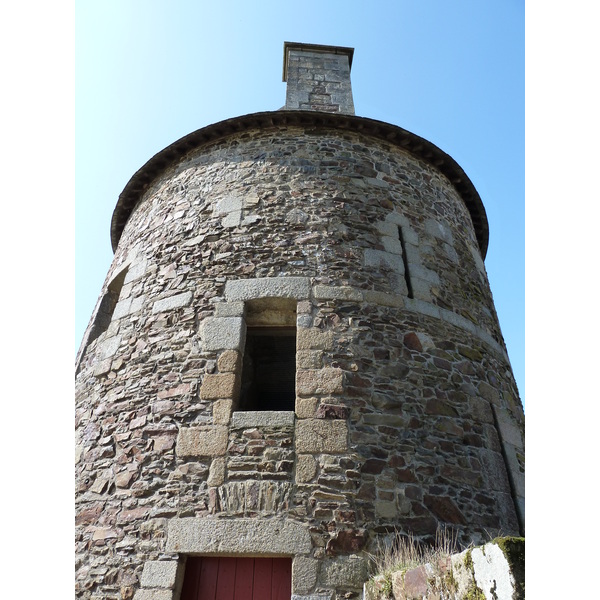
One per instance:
(138,75)
(148,72)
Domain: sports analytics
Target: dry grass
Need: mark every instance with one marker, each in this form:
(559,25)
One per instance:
(403,552)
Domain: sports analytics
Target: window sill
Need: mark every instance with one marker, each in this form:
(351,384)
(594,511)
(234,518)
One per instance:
(263,418)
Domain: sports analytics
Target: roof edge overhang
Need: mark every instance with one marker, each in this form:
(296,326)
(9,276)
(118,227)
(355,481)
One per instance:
(274,120)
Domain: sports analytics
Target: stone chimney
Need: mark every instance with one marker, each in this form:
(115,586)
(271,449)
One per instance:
(318,78)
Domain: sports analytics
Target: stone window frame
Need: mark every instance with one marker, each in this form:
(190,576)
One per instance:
(225,335)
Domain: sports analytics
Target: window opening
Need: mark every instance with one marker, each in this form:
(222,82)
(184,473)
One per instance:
(269,369)
(405,261)
(107,306)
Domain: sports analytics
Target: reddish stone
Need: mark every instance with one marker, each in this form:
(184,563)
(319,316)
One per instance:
(123,479)
(133,514)
(184,388)
(366,492)
(405,475)
(411,340)
(88,515)
(104,533)
(347,541)
(445,509)
(472,439)
(213,500)
(415,583)
(373,466)
(345,516)
(437,407)
(420,525)
(356,380)
(164,443)
(461,475)
(413,492)
(397,461)
(332,411)
(442,364)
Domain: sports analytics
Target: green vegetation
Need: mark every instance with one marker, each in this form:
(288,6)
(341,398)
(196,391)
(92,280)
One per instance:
(402,553)
(513,549)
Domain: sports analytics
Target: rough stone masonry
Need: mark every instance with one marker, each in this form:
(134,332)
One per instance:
(366,243)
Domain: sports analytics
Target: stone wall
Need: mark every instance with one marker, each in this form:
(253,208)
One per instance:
(407,414)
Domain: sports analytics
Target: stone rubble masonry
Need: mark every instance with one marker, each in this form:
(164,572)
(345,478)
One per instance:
(406,413)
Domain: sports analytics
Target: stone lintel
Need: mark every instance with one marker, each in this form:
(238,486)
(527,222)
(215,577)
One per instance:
(258,537)
(267,287)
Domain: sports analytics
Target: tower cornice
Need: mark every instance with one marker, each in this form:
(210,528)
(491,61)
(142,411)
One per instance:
(273,120)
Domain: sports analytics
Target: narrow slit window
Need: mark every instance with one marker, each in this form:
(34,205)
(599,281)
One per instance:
(107,306)
(269,369)
(405,261)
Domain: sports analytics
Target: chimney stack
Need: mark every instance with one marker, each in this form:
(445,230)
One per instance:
(318,78)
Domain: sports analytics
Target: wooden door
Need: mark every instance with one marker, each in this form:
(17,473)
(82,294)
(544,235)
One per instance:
(237,578)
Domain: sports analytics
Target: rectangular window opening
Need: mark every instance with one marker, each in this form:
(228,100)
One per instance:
(269,369)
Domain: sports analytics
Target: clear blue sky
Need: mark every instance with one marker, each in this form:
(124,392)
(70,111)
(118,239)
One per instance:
(149,72)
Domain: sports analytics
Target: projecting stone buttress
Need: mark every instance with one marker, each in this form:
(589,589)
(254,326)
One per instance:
(295,353)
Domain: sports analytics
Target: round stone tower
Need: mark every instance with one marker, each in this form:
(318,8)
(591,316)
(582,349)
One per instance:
(295,352)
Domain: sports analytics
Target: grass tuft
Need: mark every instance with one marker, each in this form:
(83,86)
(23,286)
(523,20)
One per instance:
(404,552)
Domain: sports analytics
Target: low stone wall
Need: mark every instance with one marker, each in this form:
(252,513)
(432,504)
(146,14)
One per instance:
(495,571)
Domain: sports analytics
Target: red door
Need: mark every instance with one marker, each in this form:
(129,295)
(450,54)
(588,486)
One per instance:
(237,578)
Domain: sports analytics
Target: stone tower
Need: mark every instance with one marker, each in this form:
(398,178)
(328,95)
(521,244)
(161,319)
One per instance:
(295,352)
